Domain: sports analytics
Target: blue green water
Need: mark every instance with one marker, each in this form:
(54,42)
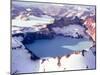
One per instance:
(58,46)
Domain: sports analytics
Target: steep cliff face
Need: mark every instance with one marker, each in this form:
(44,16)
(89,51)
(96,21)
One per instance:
(90,23)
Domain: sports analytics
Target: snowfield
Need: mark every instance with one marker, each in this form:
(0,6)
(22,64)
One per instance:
(32,21)
(21,62)
(71,30)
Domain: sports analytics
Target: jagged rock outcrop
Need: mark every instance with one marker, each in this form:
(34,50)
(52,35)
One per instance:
(64,21)
(18,34)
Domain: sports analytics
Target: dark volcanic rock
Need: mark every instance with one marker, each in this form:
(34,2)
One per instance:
(46,34)
(30,37)
(18,34)
(83,52)
(64,21)
(33,56)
